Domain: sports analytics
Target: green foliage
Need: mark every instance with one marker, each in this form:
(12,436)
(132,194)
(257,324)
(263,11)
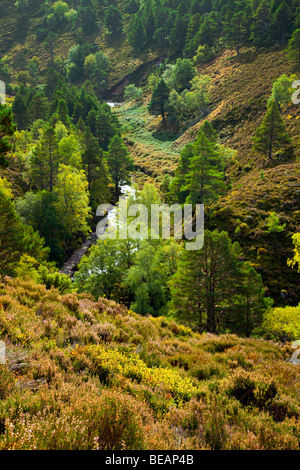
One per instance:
(213,283)
(236,32)
(119,162)
(294,46)
(282,323)
(182,74)
(203,55)
(7,128)
(45,160)
(133,93)
(159,99)
(113,20)
(282,91)
(191,104)
(273,224)
(296,259)
(38,211)
(102,272)
(43,273)
(16,238)
(72,204)
(153,266)
(137,34)
(199,177)
(271,135)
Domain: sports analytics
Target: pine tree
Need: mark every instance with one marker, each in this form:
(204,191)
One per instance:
(50,44)
(177,35)
(92,156)
(178,191)
(137,34)
(261,26)
(294,46)
(210,287)
(271,135)
(205,180)
(236,32)
(282,21)
(119,162)
(149,24)
(113,20)
(19,110)
(192,29)
(7,128)
(62,111)
(45,160)
(159,100)
(38,107)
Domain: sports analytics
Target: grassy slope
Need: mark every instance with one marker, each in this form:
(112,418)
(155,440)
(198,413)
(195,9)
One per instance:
(86,374)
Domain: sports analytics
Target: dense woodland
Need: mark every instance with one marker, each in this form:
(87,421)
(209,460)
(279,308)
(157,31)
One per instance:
(163,348)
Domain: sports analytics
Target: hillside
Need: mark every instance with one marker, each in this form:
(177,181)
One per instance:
(142,342)
(92,375)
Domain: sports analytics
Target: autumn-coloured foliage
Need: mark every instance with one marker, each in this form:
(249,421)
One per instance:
(87,374)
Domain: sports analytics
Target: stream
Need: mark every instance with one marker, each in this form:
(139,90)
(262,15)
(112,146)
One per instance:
(72,263)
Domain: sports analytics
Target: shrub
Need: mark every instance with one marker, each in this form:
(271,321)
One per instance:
(119,425)
(132,93)
(7,382)
(243,390)
(282,323)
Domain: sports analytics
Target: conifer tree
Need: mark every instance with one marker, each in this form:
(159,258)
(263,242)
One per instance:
(92,156)
(294,46)
(119,162)
(7,128)
(50,44)
(214,289)
(205,180)
(236,32)
(271,135)
(113,20)
(178,191)
(45,160)
(282,21)
(137,34)
(159,100)
(62,111)
(19,110)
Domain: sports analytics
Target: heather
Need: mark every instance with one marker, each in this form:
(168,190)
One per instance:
(87,374)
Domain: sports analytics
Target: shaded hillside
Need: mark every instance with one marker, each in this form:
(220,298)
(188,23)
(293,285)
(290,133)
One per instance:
(90,374)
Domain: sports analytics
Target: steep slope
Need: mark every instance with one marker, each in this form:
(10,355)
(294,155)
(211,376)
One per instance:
(241,86)
(87,374)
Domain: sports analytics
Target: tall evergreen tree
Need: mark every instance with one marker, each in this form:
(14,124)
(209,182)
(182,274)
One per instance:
(136,34)
(113,20)
(92,156)
(19,109)
(45,160)
(205,180)
(271,135)
(211,282)
(294,46)
(159,100)
(119,162)
(7,128)
(282,21)
(236,33)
